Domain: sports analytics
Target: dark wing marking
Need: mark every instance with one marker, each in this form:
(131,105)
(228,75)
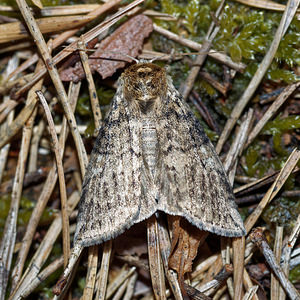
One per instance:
(113,198)
(192,180)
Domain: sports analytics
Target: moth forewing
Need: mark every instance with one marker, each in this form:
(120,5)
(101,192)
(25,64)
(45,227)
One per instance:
(152,154)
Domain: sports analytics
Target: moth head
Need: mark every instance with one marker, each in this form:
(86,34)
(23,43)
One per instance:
(144,83)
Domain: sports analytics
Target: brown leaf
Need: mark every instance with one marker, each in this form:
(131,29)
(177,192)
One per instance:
(127,39)
(186,239)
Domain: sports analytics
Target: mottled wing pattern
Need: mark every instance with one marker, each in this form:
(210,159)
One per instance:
(192,180)
(113,198)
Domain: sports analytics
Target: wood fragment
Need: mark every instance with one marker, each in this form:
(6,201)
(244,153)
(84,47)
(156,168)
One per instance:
(112,52)
(259,239)
(88,36)
(16,31)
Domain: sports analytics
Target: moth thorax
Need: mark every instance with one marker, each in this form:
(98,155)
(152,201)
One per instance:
(149,144)
(145,83)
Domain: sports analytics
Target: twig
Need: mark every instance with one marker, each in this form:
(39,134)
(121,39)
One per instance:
(259,239)
(271,111)
(274,189)
(41,44)
(196,46)
(263,67)
(255,198)
(211,34)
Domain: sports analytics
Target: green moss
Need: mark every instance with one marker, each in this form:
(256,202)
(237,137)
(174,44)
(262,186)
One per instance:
(294,275)
(282,211)
(24,213)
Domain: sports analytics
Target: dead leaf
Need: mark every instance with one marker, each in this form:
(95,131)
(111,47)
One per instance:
(186,239)
(110,55)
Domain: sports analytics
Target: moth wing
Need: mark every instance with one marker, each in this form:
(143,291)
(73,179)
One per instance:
(192,180)
(112,197)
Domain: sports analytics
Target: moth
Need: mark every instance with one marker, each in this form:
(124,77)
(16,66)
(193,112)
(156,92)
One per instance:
(151,154)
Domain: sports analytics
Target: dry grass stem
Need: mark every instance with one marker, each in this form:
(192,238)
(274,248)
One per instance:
(103,273)
(44,249)
(264,4)
(226,60)
(165,248)
(203,266)
(250,293)
(237,146)
(43,198)
(10,230)
(88,36)
(271,111)
(42,276)
(41,44)
(263,67)
(91,273)
(92,89)
(64,10)
(130,286)
(210,35)
(277,252)
(37,134)
(249,285)
(15,31)
(67,34)
(118,281)
(61,179)
(238,246)
(155,262)
(4,150)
